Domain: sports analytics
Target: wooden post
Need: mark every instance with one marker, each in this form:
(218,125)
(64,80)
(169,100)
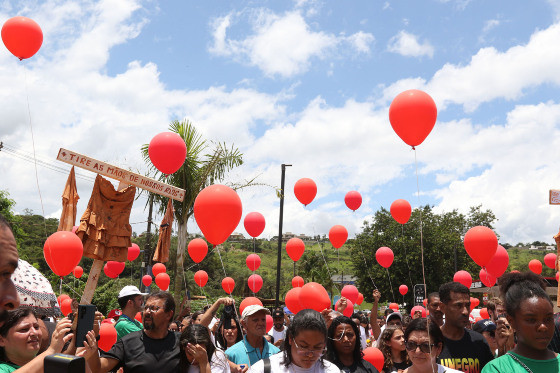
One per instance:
(125,179)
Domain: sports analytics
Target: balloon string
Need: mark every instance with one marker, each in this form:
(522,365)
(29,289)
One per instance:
(422,242)
(223,267)
(34,153)
(366,265)
(390,284)
(326,265)
(406,256)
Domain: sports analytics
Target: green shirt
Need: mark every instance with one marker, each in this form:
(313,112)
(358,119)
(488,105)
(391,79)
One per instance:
(507,364)
(125,325)
(8,367)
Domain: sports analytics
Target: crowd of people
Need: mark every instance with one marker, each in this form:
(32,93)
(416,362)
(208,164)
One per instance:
(522,333)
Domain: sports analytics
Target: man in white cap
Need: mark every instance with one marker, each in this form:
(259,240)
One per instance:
(131,301)
(253,347)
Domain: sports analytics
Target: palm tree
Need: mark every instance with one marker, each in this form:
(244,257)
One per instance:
(205,164)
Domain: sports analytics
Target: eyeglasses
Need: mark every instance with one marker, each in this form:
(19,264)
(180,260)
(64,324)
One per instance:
(152,308)
(492,334)
(340,336)
(307,351)
(424,347)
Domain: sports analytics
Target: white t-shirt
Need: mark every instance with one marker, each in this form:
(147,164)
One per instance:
(218,364)
(276,334)
(276,366)
(363,337)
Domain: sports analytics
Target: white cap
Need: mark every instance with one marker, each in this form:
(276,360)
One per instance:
(252,309)
(130,290)
(392,315)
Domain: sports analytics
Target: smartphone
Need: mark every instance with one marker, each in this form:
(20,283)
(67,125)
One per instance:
(86,316)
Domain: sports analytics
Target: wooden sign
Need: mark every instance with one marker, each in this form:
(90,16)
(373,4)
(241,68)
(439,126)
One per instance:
(124,176)
(554,197)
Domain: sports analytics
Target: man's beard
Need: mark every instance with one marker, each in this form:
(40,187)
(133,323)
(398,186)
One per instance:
(150,325)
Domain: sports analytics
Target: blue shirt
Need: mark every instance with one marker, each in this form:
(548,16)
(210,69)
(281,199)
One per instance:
(243,353)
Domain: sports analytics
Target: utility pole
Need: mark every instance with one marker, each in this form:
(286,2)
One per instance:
(147,263)
(280,221)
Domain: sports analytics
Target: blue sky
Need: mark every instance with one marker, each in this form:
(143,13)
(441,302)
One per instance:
(302,82)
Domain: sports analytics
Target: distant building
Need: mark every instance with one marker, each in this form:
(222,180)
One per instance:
(344,280)
(236,236)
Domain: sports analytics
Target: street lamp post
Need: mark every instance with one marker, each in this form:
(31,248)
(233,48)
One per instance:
(280,221)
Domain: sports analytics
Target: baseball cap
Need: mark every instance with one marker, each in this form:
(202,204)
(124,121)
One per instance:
(114,314)
(130,290)
(393,315)
(484,326)
(252,309)
(277,313)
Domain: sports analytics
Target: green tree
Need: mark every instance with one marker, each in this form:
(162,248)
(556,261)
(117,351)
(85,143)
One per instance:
(312,266)
(205,164)
(441,237)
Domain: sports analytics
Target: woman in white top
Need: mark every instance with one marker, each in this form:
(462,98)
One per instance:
(198,353)
(424,342)
(303,348)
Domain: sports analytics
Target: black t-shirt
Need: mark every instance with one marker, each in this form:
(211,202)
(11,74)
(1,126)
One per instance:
(138,353)
(362,366)
(469,354)
(399,366)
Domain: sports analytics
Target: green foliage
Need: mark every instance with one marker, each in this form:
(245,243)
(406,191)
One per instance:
(441,239)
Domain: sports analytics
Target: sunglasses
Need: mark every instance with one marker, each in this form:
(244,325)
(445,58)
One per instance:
(424,347)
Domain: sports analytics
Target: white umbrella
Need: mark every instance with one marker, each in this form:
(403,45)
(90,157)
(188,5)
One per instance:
(34,290)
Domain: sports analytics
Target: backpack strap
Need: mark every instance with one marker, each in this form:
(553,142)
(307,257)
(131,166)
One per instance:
(266,363)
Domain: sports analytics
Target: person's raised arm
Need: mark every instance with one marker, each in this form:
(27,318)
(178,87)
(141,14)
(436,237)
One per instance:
(206,318)
(375,329)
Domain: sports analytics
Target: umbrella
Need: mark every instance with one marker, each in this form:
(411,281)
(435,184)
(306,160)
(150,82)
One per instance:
(164,240)
(34,290)
(70,199)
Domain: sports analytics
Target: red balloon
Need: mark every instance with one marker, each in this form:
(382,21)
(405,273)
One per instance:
(295,248)
(401,211)
(162,281)
(201,278)
(253,262)
(197,248)
(297,282)
(384,257)
(394,306)
(349,310)
(353,200)
(314,296)
(158,268)
(484,313)
(78,271)
(61,298)
(360,299)
(497,266)
(416,309)
(269,322)
(413,114)
(115,267)
(557,276)
(217,210)
(375,357)
(305,190)
(133,252)
(22,36)
(292,300)
(107,336)
(63,251)
(486,278)
(108,271)
(403,289)
(255,283)
(474,303)
(338,236)
(248,302)
(228,284)
(168,152)
(535,266)
(254,224)
(138,316)
(351,293)
(147,280)
(550,260)
(66,306)
(481,244)
(463,277)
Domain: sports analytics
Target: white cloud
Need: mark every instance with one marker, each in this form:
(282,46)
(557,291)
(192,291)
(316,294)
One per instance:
(407,44)
(489,25)
(282,45)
